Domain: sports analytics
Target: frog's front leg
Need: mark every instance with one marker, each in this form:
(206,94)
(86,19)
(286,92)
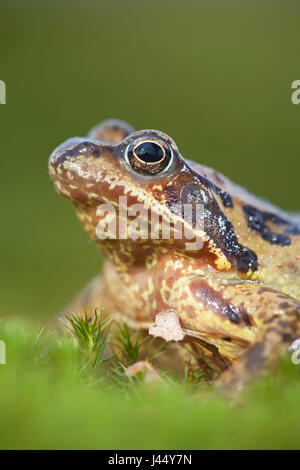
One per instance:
(279,329)
(247,323)
(89,299)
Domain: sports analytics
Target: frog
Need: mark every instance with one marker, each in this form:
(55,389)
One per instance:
(236,297)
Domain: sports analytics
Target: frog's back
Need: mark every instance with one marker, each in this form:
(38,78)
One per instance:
(240,193)
(273,234)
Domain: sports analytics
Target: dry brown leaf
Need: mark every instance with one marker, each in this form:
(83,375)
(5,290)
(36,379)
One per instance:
(167,326)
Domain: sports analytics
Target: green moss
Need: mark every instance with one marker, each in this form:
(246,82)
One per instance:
(46,402)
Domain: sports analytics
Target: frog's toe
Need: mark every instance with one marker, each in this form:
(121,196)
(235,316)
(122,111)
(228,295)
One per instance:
(111,131)
(232,382)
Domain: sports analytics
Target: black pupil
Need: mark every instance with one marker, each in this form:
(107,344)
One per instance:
(149,152)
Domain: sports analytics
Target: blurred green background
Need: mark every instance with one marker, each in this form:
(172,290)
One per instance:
(214,75)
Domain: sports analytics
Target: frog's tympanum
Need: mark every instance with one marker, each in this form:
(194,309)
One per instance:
(237,297)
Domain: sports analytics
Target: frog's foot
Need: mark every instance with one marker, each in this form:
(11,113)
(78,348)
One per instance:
(190,347)
(277,334)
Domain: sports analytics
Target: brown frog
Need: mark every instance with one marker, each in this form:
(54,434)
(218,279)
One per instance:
(236,297)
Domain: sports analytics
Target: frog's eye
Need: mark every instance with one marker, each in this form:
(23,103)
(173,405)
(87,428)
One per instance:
(149,157)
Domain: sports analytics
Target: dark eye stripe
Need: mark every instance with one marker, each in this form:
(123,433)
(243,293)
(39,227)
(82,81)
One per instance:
(149,152)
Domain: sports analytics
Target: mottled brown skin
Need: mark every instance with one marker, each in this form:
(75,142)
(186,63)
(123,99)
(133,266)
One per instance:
(238,297)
